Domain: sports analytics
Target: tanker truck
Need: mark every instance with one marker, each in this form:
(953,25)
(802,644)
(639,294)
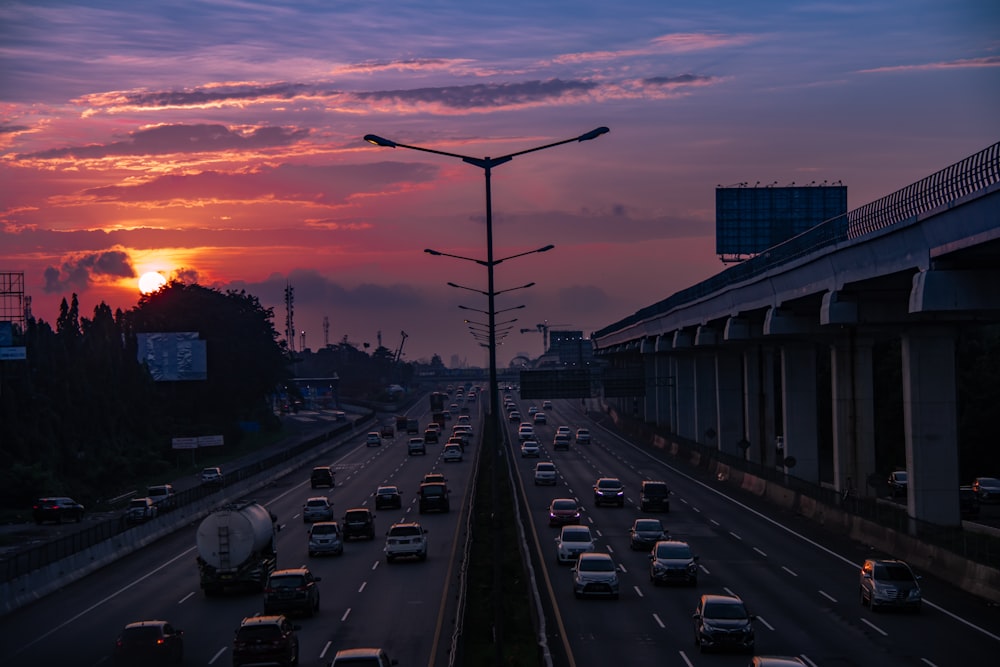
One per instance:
(236,547)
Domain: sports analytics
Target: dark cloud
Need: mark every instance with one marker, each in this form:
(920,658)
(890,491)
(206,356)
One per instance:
(200,97)
(169,139)
(80,271)
(486,95)
(675,80)
(13,129)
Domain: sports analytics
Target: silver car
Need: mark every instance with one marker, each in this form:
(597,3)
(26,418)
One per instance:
(317,508)
(573,541)
(325,538)
(595,574)
(889,583)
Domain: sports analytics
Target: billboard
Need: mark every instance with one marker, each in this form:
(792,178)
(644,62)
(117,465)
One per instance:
(173,357)
(748,220)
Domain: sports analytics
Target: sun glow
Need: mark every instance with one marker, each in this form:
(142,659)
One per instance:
(151,281)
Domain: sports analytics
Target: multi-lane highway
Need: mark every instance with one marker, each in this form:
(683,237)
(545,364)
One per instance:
(801,582)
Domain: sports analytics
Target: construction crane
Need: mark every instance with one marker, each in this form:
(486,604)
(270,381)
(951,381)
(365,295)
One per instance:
(399,350)
(544,329)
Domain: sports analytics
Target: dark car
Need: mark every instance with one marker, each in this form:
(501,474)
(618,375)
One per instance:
(266,639)
(149,643)
(897,483)
(57,509)
(968,501)
(163,496)
(609,491)
(358,522)
(987,488)
(671,561)
(654,496)
(433,497)
(292,590)
(723,622)
(362,657)
(388,497)
(563,512)
(322,476)
(644,533)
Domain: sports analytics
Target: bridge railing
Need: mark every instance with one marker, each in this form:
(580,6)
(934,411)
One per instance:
(973,174)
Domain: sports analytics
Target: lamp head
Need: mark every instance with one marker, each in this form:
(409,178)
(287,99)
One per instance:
(429,251)
(379,141)
(593,134)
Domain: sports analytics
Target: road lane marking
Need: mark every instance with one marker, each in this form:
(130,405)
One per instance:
(685,659)
(760,552)
(638,592)
(185,598)
(875,627)
(326,647)
(346,614)
(769,626)
(736,536)
(656,617)
(828,596)
(363,584)
(217,655)
(788,571)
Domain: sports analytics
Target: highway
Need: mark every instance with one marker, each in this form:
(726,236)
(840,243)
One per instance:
(364,601)
(800,582)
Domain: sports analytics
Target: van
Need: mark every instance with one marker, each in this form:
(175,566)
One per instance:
(654,496)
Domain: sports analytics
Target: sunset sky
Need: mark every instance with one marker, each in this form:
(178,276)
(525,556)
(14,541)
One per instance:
(221,143)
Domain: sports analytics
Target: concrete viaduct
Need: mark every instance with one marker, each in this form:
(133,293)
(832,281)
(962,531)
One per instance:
(732,361)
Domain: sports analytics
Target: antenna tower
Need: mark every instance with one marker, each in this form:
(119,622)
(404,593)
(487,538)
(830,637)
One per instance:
(289,316)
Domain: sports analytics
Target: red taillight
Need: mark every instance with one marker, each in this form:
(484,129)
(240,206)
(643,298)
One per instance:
(160,640)
(268,590)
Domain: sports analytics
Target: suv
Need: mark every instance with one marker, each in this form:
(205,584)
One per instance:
(722,621)
(672,560)
(140,509)
(322,476)
(654,496)
(388,497)
(889,583)
(362,657)
(292,590)
(359,522)
(609,490)
(57,509)
(212,477)
(434,497)
(163,496)
(266,639)
(416,446)
(149,642)
(405,539)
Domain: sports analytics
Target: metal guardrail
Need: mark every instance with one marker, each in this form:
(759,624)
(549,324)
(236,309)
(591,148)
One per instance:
(973,174)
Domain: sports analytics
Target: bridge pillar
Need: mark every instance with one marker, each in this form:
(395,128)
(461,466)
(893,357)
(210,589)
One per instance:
(648,357)
(931,425)
(853,413)
(664,381)
(729,401)
(705,412)
(799,414)
(686,423)
(759,406)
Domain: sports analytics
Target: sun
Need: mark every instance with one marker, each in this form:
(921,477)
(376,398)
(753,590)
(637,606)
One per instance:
(151,281)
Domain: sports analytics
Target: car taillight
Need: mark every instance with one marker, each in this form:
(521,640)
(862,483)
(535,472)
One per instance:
(160,640)
(268,590)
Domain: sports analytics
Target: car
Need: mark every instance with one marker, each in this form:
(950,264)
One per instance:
(564,430)
(456,440)
(434,478)
(645,533)
(358,522)
(317,508)
(889,583)
(212,476)
(431,436)
(462,432)
(362,657)
(723,622)
(532,411)
(514,416)
(540,418)
(595,573)
(563,511)
(266,639)
(582,436)
(987,488)
(545,473)
(452,453)
(433,497)
(464,420)
(292,590)
(560,441)
(325,537)
(546,405)
(339,415)
(388,497)
(897,483)
(453,408)
(529,448)
(140,510)
(525,432)
(573,541)
(776,661)
(322,476)
(405,539)
(968,502)
(388,430)
(671,561)
(152,642)
(654,496)
(416,446)
(57,509)
(609,491)
(163,496)
(373,439)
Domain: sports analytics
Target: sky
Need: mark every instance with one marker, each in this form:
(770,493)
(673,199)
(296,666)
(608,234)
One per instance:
(222,143)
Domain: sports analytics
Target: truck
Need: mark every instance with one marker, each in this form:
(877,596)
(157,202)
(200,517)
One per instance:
(438,401)
(236,547)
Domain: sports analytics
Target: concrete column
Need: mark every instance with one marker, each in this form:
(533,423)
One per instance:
(729,399)
(931,425)
(705,410)
(663,382)
(853,413)
(686,424)
(798,381)
(648,402)
(672,394)
(753,402)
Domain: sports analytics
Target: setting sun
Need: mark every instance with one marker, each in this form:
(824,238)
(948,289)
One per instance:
(151,281)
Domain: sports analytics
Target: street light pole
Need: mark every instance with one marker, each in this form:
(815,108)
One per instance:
(492,428)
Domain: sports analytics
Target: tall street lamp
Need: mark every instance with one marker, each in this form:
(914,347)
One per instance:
(487,164)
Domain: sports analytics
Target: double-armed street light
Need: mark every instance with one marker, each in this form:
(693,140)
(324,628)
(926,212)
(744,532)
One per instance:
(493,436)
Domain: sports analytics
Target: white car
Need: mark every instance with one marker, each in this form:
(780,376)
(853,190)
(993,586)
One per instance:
(545,472)
(212,476)
(374,438)
(317,508)
(529,448)
(540,418)
(525,432)
(405,539)
(573,541)
(451,453)
(595,574)
(583,436)
(564,430)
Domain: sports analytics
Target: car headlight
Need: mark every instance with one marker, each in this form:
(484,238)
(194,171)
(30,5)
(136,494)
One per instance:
(914,594)
(692,566)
